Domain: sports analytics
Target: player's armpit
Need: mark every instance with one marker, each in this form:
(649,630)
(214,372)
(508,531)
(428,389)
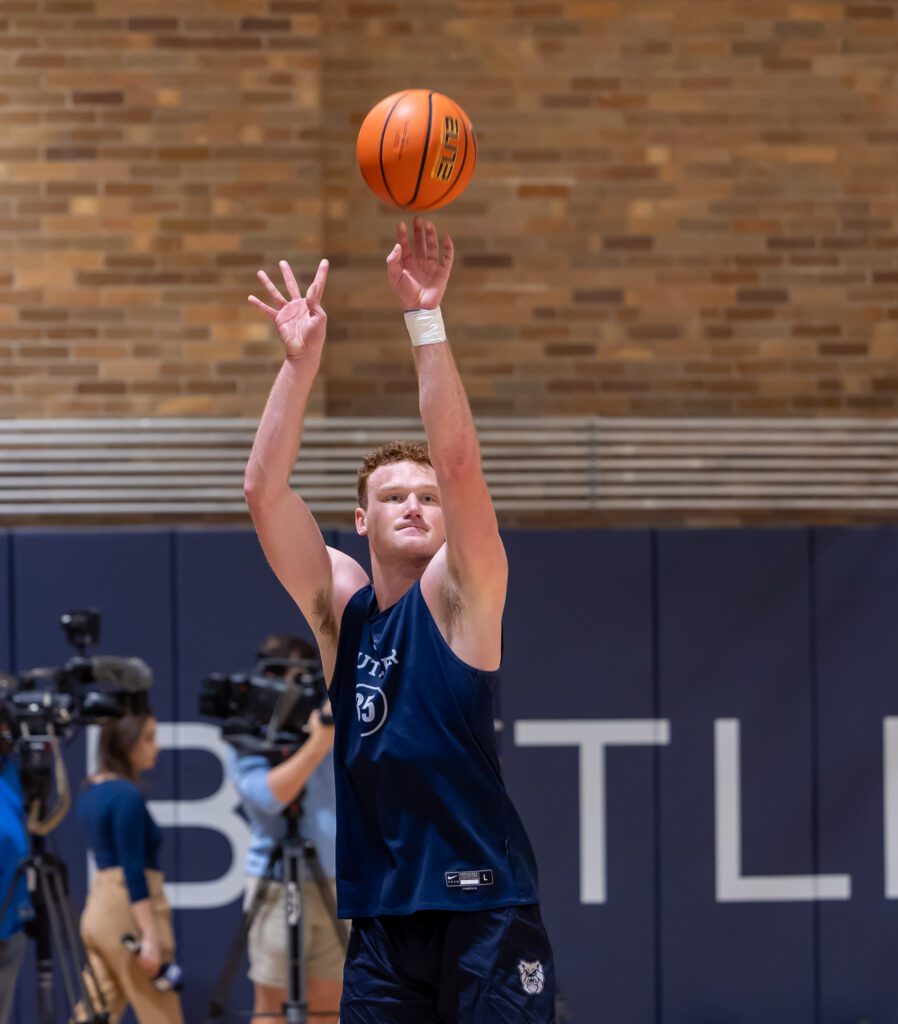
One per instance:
(347,577)
(468,612)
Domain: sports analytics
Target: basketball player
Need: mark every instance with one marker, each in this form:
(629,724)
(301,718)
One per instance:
(433,864)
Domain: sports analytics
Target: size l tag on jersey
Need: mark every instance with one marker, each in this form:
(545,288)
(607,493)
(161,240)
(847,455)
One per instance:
(469,879)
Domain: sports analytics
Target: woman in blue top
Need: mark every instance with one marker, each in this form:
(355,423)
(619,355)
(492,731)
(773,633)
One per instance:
(127,891)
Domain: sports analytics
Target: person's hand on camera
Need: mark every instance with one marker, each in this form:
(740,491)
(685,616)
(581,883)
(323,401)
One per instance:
(288,779)
(149,957)
(321,735)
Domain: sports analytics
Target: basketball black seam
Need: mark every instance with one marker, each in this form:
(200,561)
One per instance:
(464,159)
(426,147)
(380,153)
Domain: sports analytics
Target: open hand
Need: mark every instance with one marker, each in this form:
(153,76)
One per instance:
(417,272)
(321,735)
(301,322)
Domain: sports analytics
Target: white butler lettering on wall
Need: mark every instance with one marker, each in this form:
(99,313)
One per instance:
(218,810)
(592,736)
(732,885)
(890,802)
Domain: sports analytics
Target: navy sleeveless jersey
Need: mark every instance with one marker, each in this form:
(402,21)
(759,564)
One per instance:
(423,818)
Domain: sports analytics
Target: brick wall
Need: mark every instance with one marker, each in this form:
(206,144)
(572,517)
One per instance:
(681,206)
(151,160)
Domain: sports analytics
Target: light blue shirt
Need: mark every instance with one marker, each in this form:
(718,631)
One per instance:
(249,774)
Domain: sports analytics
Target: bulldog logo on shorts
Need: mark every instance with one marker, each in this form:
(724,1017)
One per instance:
(532,979)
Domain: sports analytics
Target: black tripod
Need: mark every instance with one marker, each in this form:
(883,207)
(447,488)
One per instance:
(290,853)
(54,925)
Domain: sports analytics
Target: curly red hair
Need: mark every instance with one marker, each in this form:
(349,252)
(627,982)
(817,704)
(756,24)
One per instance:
(386,455)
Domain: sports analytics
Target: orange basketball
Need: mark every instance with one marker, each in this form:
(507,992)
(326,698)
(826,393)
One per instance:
(417,150)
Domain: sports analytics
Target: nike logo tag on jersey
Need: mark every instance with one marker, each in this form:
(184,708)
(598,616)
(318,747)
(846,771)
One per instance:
(469,879)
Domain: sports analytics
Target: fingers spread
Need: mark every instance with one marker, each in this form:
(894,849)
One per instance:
(394,265)
(432,241)
(289,280)
(420,239)
(270,288)
(402,240)
(267,310)
(316,288)
(448,252)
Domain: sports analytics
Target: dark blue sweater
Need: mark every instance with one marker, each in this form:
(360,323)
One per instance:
(118,828)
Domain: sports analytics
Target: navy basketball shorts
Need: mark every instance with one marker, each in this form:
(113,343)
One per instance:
(450,967)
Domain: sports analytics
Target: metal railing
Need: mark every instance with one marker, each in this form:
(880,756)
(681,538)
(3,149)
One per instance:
(97,467)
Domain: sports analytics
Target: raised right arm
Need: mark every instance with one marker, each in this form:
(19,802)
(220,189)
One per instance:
(319,579)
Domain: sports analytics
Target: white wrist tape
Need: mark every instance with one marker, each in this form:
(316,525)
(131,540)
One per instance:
(425,326)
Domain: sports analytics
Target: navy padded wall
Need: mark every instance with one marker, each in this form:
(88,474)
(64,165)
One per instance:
(856,597)
(578,645)
(734,628)
(790,632)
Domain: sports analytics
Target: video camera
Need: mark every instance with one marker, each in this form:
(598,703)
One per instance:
(42,706)
(265,711)
(84,691)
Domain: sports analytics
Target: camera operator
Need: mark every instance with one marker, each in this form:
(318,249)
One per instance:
(265,792)
(13,847)
(127,894)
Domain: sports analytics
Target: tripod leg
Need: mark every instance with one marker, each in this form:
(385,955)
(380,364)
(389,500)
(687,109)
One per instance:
(295,1007)
(72,958)
(218,998)
(46,1007)
(91,997)
(13,947)
(327,897)
(12,953)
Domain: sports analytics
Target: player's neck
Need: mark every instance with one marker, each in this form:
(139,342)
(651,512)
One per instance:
(391,582)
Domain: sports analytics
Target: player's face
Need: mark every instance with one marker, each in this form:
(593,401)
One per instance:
(403,514)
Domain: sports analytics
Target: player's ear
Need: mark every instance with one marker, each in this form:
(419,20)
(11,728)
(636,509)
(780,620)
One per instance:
(361,522)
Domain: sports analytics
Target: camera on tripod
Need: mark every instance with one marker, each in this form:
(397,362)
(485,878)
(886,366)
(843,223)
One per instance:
(39,709)
(265,711)
(84,691)
(41,706)
(264,715)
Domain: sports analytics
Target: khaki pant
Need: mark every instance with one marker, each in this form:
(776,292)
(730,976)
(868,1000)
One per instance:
(122,981)
(323,954)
